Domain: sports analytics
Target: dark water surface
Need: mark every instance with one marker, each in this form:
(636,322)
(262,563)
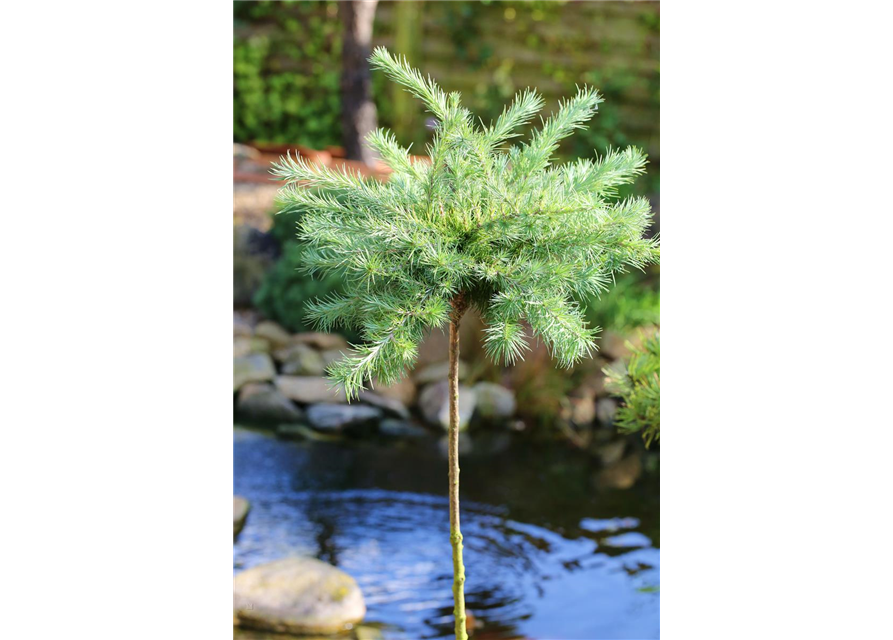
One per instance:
(547,555)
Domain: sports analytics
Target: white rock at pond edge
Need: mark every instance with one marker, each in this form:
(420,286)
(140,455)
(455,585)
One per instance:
(494,402)
(435,407)
(297,595)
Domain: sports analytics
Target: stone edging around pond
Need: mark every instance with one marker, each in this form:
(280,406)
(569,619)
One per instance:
(278,380)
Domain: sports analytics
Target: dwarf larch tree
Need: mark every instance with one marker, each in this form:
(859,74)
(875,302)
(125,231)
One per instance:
(482,223)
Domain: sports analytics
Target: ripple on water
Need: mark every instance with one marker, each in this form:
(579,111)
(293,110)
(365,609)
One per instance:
(330,502)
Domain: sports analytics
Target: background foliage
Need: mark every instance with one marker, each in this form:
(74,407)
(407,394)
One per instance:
(287,65)
(637,382)
(286,290)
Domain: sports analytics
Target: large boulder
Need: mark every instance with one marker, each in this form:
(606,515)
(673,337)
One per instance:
(297,595)
(337,417)
(494,402)
(263,402)
(255,367)
(435,407)
(240,512)
(309,389)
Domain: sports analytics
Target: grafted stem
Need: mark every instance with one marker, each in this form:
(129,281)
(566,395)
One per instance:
(459,306)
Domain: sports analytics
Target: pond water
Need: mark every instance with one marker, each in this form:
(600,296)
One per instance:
(547,554)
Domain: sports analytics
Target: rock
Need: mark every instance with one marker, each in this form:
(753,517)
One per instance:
(321,341)
(581,410)
(465,445)
(621,475)
(612,452)
(263,402)
(403,390)
(494,402)
(605,410)
(243,346)
(240,512)
(297,595)
(435,407)
(301,360)
(242,326)
(401,429)
(331,356)
(309,390)
(438,371)
(256,367)
(593,385)
(388,405)
(335,417)
(276,335)
(613,345)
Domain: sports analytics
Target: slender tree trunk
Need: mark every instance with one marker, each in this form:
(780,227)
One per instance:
(459,306)
(358,116)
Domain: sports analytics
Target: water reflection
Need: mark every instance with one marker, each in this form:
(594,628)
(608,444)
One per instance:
(546,555)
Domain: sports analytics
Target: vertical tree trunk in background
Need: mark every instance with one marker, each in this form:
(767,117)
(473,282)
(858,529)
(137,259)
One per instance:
(358,116)
(459,306)
(407,38)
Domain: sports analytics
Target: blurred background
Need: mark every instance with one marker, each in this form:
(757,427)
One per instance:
(560,482)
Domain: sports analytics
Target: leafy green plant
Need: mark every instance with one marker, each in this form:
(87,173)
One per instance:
(286,72)
(286,288)
(482,224)
(633,301)
(637,382)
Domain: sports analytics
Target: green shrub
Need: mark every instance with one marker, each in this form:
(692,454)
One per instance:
(638,384)
(286,72)
(633,302)
(286,288)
